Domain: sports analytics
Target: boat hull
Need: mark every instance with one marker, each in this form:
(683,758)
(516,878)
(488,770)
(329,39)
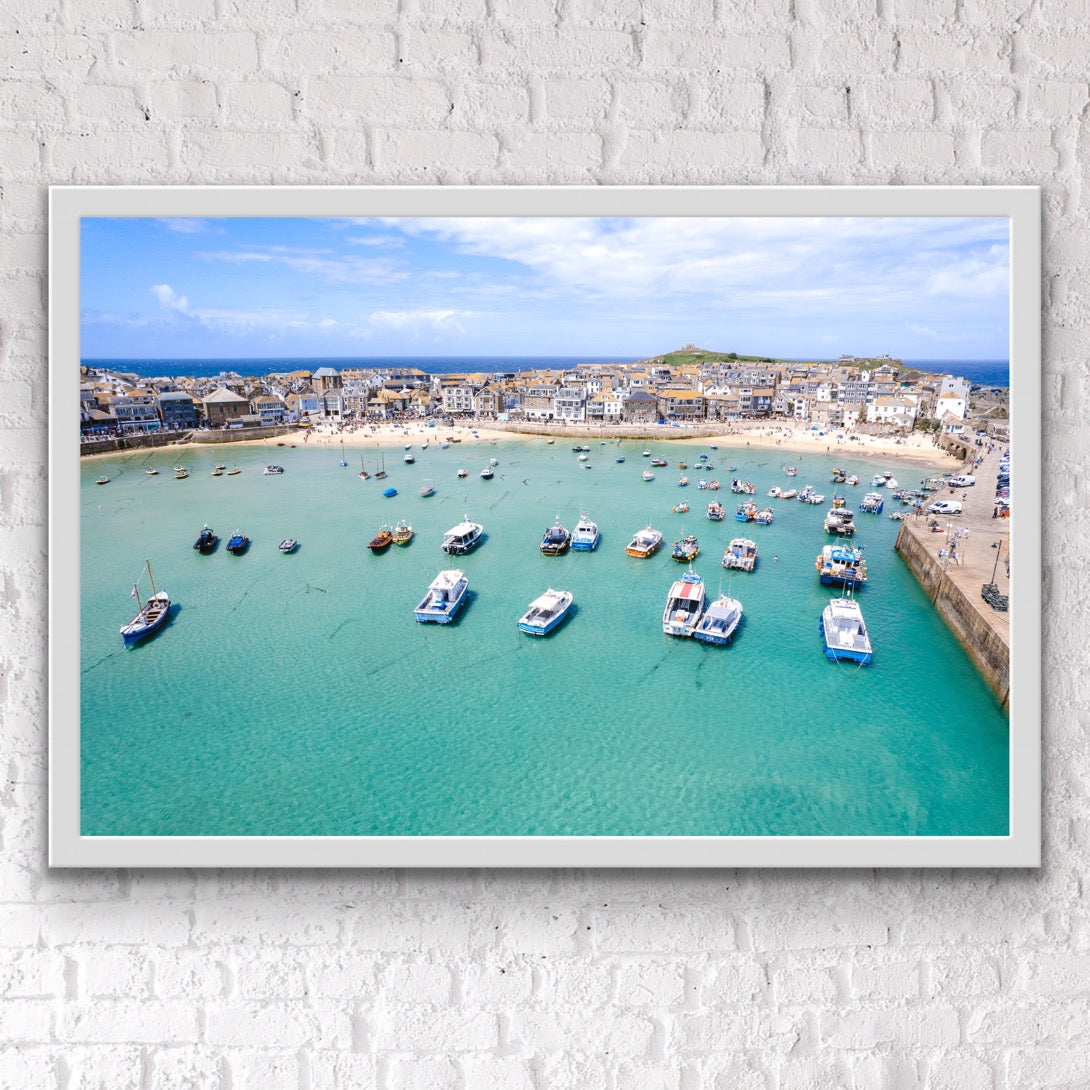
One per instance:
(152,616)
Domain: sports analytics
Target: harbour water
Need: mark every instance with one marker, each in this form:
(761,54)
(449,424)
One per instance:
(296,695)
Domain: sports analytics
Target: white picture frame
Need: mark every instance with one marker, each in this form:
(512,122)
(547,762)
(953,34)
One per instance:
(68,206)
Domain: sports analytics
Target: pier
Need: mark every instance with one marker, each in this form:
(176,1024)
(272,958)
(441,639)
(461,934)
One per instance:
(954,566)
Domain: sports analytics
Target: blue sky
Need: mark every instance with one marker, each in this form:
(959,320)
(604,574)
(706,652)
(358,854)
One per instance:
(789,287)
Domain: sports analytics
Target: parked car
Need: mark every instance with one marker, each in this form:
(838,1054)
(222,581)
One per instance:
(945,507)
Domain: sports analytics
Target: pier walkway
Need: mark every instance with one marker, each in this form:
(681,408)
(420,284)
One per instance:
(953,566)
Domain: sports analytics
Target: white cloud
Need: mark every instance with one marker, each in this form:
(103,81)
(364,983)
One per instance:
(417,321)
(169,299)
(186,225)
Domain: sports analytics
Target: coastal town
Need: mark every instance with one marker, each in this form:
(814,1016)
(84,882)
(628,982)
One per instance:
(688,388)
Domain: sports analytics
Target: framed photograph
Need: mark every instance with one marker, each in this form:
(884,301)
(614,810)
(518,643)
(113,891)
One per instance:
(558,527)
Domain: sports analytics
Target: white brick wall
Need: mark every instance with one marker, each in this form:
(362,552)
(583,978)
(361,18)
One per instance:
(619,981)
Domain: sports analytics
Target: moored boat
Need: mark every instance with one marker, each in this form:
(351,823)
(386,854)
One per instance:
(764,516)
(233,471)
(845,632)
(644,543)
(660,462)
(389,492)
(445,596)
(463,472)
(381,541)
(746,512)
(545,612)
(840,520)
(237,543)
(686,549)
(426,489)
(273,470)
(402,533)
(586,535)
(408,459)
(648,475)
(740,555)
(684,605)
(789,493)
(720,621)
(152,472)
(841,564)
(151,614)
(180,473)
(873,503)
(463,538)
(206,540)
(487,473)
(103,480)
(715,511)
(556,540)
(288,545)
(680,508)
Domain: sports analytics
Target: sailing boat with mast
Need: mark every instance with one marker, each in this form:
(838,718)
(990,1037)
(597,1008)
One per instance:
(343,462)
(382,469)
(363,472)
(151,615)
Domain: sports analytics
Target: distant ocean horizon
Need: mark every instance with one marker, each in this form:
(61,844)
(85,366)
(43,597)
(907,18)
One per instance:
(984,372)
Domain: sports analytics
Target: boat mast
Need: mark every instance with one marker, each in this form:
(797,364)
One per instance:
(147,567)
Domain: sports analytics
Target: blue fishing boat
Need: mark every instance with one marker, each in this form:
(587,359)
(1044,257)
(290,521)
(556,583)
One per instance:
(841,564)
(238,543)
(545,612)
(585,536)
(206,540)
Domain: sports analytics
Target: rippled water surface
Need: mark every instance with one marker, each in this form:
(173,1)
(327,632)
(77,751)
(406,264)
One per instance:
(296,695)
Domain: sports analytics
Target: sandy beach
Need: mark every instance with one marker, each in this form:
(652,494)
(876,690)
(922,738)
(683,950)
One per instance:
(915,448)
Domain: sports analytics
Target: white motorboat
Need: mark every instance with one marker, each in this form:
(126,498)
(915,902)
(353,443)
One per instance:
(845,632)
(841,521)
(445,597)
(684,605)
(740,554)
(720,621)
(463,538)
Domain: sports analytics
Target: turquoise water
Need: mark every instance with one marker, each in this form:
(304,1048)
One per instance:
(296,695)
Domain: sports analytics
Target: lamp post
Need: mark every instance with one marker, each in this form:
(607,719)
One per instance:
(998,546)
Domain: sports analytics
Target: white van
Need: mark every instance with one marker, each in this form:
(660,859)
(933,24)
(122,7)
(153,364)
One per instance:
(966,481)
(945,507)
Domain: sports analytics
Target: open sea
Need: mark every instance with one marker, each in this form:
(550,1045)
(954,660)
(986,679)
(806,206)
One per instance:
(295,694)
(985,372)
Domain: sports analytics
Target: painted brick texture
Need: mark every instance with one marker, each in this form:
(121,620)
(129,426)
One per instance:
(635,980)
